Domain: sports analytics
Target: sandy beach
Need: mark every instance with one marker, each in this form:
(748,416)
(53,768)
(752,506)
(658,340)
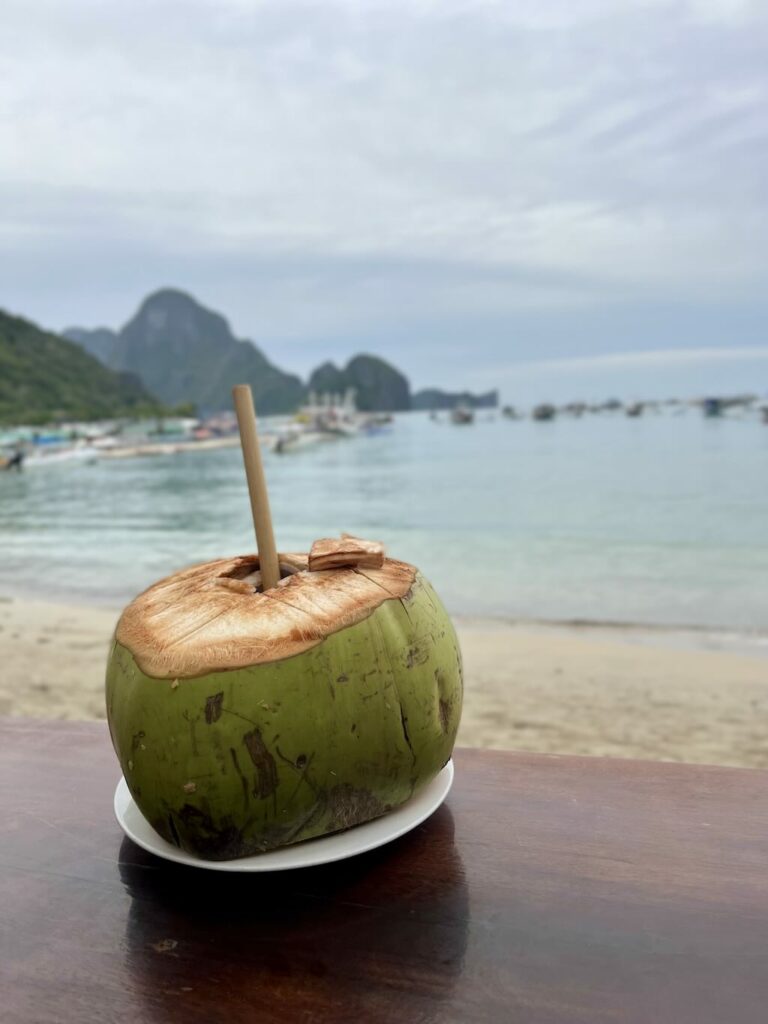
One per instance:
(550,689)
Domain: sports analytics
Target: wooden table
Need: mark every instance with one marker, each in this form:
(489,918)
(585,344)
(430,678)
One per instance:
(545,890)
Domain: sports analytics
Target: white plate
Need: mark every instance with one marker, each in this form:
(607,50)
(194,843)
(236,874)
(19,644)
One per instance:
(339,846)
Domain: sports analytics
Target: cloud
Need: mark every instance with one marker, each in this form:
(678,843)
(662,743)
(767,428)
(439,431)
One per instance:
(391,171)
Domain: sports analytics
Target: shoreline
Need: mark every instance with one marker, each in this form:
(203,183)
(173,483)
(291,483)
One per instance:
(546,688)
(687,636)
(751,642)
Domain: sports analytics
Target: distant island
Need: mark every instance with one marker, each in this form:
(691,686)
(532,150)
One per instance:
(183,352)
(175,355)
(432,399)
(378,386)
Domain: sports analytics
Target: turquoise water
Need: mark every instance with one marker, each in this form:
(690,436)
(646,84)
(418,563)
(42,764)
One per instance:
(659,520)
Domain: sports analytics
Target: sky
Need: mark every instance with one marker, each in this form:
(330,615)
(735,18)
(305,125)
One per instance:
(560,198)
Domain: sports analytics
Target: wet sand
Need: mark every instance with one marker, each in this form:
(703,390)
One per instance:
(606,692)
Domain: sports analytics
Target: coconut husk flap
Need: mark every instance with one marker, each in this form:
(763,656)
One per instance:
(348,552)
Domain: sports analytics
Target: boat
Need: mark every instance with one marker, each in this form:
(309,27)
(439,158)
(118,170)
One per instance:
(544,412)
(14,460)
(462,415)
(377,423)
(333,415)
(575,409)
(151,448)
(286,441)
(338,426)
(50,456)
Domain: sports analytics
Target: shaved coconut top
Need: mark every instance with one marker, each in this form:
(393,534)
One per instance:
(211,616)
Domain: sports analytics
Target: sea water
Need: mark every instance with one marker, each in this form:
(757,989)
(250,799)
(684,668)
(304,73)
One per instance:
(657,520)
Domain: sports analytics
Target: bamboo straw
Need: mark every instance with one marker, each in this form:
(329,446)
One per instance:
(257,485)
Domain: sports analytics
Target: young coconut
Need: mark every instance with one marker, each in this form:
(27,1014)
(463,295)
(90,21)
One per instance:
(247,718)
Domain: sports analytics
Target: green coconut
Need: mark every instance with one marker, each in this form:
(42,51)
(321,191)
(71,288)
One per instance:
(247,720)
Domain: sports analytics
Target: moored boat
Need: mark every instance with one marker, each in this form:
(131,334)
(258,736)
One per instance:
(462,415)
(544,412)
(51,456)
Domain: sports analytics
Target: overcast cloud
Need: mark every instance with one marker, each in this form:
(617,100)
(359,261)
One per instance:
(471,188)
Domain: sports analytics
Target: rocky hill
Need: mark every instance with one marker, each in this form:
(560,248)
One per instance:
(378,386)
(184,352)
(432,398)
(44,377)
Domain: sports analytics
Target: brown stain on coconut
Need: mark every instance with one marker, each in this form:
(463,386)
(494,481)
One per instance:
(444,704)
(263,762)
(216,842)
(241,776)
(445,714)
(349,806)
(418,653)
(213,708)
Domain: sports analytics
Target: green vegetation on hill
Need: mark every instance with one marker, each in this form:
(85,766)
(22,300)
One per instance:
(43,377)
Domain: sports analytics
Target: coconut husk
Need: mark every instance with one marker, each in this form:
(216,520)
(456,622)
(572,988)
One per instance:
(213,616)
(348,552)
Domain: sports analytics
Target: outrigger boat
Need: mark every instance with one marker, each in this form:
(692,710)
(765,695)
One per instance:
(335,415)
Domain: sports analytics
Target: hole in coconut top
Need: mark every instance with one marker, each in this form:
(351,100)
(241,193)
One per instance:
(246,576)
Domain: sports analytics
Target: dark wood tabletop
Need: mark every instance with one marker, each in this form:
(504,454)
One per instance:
(546,890)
